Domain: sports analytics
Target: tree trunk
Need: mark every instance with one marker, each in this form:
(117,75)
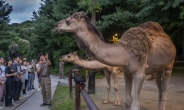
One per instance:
(91,81)
(93,17)
(183,43)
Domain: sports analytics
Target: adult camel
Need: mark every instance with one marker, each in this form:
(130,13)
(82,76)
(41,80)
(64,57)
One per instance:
(145,49)
(96,65)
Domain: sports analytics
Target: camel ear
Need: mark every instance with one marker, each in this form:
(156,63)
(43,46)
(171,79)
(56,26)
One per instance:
(75,53)
(79,15)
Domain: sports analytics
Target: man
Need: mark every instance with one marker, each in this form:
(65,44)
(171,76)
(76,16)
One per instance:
(17,79)
(2,67)
(44,70)
(61,70)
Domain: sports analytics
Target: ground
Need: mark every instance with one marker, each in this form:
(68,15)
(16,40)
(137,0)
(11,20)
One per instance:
(148,97)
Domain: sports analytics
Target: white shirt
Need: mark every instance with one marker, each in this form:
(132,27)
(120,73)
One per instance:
(3,71)
(25,75)
(30,68)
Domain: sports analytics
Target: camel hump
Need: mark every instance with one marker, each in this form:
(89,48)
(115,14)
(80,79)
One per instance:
(139,39)
(151,26)
(153,30)
(135,39)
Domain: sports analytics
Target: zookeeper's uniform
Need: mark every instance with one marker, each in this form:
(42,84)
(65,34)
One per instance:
(45,82)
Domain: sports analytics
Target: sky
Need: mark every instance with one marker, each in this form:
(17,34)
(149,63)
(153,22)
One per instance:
(22,9)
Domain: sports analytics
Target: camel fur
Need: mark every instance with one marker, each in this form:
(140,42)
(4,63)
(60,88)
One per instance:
(96,65)
(145,49)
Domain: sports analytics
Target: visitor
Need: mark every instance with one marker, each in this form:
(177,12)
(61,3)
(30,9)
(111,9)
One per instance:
(9,83)
(44,70)
(3,72)
(25,77)
(1,85)
(23,80)
(17,79)
(34,72)
(61,70)
(30,75)
(24,58)
(39,78)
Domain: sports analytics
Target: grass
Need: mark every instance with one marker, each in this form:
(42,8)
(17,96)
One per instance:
(178,71)
(62,100)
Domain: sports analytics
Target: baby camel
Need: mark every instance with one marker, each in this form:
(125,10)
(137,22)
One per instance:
(96,65)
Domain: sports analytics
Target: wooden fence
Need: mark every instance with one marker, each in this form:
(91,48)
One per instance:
(178,65)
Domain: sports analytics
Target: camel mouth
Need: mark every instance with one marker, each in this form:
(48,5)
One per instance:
(60,59)
(57,30)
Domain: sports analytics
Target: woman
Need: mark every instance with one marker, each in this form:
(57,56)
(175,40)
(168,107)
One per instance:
(25,77)
(9,83)
(31,76)
(1,85)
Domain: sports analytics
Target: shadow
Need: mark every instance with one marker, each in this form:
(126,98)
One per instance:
(124,108)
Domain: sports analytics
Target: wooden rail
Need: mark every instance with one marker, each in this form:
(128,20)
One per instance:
(178,67)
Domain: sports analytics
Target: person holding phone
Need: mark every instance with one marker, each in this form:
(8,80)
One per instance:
(44,70)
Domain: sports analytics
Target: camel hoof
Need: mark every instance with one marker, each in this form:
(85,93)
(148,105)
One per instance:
(117,104)
(127,105)
(105,102)
(135,107)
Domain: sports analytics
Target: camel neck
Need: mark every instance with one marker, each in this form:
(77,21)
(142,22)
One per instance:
(90,64)
(101,51)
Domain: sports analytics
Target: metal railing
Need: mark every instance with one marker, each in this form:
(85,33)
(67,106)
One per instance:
(79,88)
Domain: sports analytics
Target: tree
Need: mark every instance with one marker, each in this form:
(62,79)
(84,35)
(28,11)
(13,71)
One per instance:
(5,36)
(162,12)
(5,10)
(44,37)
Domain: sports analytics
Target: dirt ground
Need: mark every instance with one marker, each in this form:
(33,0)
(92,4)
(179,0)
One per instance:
(148,98)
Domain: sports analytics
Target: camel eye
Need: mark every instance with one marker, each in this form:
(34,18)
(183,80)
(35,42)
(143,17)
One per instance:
(68,22)
(68,56)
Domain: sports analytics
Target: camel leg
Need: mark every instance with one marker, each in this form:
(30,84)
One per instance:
(138,79)
(128,90)
(108,79)
(158,82)
(117,102)
(164,84)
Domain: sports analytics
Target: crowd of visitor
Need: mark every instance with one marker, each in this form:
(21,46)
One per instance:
(17,77)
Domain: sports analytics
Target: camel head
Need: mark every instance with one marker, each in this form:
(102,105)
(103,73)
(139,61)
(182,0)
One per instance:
(73,23)
(71,57)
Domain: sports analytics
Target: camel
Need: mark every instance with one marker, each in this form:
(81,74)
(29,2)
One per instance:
(144,49)
(96,65)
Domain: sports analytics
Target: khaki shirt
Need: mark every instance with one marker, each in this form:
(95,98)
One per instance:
(44,69)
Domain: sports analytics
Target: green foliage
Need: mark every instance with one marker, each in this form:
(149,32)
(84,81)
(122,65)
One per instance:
(119,18)
(182,12)
(90,5)
(5,36)
(5,10)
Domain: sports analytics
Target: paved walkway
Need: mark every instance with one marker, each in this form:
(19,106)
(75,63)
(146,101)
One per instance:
(34,101)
